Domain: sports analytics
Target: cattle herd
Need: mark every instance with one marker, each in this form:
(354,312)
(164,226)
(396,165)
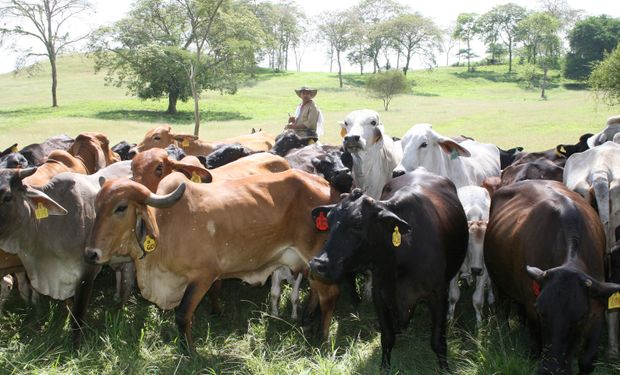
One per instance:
(177,215)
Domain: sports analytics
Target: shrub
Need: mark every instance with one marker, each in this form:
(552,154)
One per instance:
(386,85)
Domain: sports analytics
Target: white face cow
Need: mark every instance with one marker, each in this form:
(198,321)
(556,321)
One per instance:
(363,129)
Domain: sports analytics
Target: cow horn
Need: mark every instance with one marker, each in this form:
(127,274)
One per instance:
(165,201)
(23,173)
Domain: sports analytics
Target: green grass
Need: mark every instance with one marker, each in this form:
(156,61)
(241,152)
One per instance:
(488,104)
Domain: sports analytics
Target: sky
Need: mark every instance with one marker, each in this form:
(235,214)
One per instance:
(443,12)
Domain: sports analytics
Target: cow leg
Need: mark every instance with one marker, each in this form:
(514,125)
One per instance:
(295,295)
(438,304)
(385,314)
(118,275)
(327,296)
(309,314)
(6,284)
(453,295)
(81,299)
(478,296)
(185,312)
(612,324)
(128,281)
(368,284)
(276,280)
(590,346)
(214,296)
(25,290)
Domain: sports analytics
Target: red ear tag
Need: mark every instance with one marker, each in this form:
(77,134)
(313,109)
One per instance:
(321,222)
(535,288)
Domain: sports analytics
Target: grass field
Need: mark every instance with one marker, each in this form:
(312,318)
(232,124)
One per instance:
(139,338)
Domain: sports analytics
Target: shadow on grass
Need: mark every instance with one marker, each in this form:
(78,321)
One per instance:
(488,75)
(417,93)
(181,117)
(264,74)
(576,86)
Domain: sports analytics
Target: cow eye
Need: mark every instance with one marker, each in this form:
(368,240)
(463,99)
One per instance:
(159,171)
(373,123)
(346,123)
(7,198)
(156,138)
(424,144)
(120,209)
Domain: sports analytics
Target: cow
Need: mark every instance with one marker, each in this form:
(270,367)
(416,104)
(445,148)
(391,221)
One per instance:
(162,136)
(544,249)
(552,155)
(325,161)
(506,157)
(14,160)
(539,169)
(491,184)
(36,153)
(225,154)
(581,146)
(47,229)
(465,163)
(374,153)
(476,202)
(187,235)
(607,134)
(595,175)
(125,150)
(289,140)
(413,240)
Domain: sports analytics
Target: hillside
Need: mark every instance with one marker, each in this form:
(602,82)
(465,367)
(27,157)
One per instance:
(488,105)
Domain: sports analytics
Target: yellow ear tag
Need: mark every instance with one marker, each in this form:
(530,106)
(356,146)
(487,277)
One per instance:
(196,178)
(343,132)
(185,142)
(311,142)
(614,301)
(149,243)
(41,211)
(14,149)
(396,237)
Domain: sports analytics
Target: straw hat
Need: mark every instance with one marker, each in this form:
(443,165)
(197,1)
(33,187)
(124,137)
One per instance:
(306,88)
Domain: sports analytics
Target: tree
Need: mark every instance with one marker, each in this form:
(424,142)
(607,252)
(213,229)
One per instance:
(414,34)
(46,21)
(386,85)
(589,40)
(539,33)
(358,54)
(605,78)
(448,41)
(560,9)
(501,23)
(336,31)
(465,30)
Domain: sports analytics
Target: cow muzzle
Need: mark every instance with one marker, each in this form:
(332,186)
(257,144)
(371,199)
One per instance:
(353,143)
(320,269)
(92,255)
(476,271)
(398,172)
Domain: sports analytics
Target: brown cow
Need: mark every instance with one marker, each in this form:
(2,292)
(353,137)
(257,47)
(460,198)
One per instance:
(539,169)
(183,241)
(162,136)
(544,249)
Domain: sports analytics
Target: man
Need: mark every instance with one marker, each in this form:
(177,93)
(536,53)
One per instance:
(308,120)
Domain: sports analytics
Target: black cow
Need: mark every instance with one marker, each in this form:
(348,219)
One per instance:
(288,140)
(13,160)
(225,154)
(36,153)
(544,248)
(540,169)
(413,240)
(581,146)
(176,152)
(506,157)
(125,150)
(325,161)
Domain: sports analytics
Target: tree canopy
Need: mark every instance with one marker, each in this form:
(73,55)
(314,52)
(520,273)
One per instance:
(605,78)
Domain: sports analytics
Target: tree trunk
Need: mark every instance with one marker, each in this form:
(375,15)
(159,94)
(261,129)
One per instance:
(339,67)
(407,60)
(192,83)
(509,55)
(544,82)
(172,103)
(468,56)
(54,79)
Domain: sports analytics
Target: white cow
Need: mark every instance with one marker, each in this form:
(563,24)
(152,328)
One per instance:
(595,174)
(374,153)
(465,163)
(476,203)
(607,134)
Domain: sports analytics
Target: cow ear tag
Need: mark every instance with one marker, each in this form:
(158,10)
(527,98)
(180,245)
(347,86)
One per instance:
(311,142)
(41,211)
(396,237)
(535,288)
(321,222)
(343,132)
(454,154)
(185,142)
(614,301)
(14,149)
(196,178)
(149,243)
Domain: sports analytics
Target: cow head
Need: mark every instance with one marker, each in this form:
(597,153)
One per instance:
(333,170)
(151,166)
(288,140)
(423,147)
(363,129)
(359,226)
(93,149)
(581,146)
(563,305)
(125,150)
(13,160)
(162,136)
(21,203)
(225,154)
(125,225)
(477,229)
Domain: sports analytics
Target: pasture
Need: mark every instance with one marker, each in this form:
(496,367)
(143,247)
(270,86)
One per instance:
(139,338)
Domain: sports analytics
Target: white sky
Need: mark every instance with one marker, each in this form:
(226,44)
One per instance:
(443,12)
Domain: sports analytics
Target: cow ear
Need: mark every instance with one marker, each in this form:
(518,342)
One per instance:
(377,135)
(319,217)
(194,173)
(452,148)
(536,273)
(42,205)
(560,149)
(599,290)
(183,137)
(390,220)
(146,229)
